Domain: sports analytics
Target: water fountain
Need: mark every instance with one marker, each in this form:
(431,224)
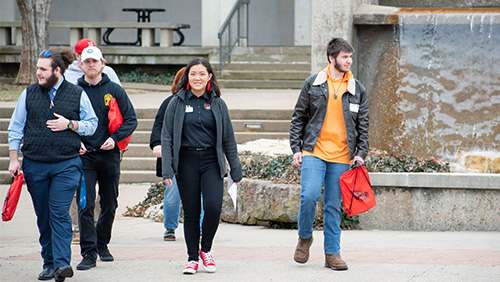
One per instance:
(433,76)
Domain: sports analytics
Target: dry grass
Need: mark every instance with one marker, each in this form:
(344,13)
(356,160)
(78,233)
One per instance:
(10,92)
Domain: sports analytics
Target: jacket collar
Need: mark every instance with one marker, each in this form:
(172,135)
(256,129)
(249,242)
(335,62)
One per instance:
(322,77)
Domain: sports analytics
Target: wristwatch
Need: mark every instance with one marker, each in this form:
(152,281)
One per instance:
(70,125)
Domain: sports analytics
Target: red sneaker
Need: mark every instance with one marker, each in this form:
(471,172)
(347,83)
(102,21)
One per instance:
(208,261)
(191,267)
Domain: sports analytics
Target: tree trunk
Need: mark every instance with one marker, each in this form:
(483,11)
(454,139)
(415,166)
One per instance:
(35,28)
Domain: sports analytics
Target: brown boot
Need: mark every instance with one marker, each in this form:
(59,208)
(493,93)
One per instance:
(302,250)
(335,262)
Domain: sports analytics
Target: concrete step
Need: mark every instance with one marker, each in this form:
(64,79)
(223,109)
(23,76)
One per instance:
(4,163)
(270,58)
(242,137)
(267,66)
(4,123)
(139,176)
(265,75)
(262,84)
(4,149)
(138,163)
(261,125)
(6,112)
(138,150)
(145,124)
(272,50)
(140,137)
(126,176)
(260,114)
(4,137)
(146,113)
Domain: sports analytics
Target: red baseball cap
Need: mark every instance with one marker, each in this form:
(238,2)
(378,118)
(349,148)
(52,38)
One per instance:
(82,44)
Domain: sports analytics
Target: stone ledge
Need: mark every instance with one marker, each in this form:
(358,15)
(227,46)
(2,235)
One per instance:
(436,180)
(405,201)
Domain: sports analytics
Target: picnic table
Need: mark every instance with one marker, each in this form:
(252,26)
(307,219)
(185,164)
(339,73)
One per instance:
(143,15)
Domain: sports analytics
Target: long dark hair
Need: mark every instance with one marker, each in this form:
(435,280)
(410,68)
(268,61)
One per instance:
(214,85)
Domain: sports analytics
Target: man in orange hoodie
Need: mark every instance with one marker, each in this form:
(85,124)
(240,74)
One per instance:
(328,132)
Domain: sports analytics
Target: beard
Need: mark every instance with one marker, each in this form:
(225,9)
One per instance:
(338,67)
(49,82)
(93,74)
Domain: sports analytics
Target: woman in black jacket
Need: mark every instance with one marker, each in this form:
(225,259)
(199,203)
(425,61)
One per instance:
(196,139)
(171,199)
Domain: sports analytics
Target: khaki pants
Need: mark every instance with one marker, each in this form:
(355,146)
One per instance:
(73,212)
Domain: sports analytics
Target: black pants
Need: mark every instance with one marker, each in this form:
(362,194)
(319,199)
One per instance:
(199,174)
(101,167)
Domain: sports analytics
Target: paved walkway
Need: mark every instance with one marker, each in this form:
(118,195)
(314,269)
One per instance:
(253,253)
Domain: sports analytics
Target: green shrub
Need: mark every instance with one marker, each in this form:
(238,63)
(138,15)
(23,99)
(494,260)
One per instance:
(144,77)
(381,161)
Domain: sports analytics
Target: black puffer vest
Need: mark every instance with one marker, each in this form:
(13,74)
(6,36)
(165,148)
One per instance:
(40,143)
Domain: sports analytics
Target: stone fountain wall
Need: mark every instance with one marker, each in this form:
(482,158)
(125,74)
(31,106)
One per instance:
(432,79)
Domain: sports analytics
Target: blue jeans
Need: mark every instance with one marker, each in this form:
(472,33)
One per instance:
(172,206)
(316,172)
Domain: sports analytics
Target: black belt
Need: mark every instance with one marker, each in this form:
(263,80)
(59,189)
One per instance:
(95,149)
(196,148)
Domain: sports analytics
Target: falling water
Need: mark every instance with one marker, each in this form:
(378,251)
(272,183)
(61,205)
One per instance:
(436,87)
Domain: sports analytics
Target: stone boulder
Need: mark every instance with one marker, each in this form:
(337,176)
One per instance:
(261,201)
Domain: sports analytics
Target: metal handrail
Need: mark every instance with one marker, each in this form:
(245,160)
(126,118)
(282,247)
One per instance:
(227,38)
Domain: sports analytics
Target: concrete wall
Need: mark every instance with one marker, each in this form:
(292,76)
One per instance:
(405,201)
(331,18)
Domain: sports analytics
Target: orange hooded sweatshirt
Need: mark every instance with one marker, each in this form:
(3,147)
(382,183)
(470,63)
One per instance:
(332,142)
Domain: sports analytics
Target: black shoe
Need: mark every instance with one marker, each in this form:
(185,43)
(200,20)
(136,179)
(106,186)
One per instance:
(46,274)
(104,254)
(87,263)
(169,235)
(62,272)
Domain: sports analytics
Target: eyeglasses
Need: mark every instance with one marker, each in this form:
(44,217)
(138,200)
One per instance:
(45,53)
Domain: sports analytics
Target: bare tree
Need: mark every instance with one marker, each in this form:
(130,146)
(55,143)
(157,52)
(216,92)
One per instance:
(35,27)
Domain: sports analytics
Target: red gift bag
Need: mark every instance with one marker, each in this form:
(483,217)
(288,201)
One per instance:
(357,192)
(115,121)
(12,198)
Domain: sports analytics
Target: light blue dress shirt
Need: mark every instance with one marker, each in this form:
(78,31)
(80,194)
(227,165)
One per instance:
(87,124)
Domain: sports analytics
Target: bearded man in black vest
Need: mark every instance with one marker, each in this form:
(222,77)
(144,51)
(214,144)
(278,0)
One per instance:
(49,118)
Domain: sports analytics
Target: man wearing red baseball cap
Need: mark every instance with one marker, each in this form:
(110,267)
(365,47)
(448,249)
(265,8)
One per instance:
(74,71)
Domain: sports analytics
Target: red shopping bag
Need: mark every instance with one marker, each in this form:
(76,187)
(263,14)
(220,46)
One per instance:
(357,192)
(12,198)
(115,121)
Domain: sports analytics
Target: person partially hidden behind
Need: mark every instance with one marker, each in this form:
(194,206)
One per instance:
(329,131)
(101,159)
(50,116)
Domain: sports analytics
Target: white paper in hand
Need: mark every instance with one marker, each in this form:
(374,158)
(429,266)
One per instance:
(232,189)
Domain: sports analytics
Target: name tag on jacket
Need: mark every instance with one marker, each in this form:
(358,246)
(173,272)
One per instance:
(354,108)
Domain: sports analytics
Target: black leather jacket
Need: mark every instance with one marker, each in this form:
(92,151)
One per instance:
(310,111)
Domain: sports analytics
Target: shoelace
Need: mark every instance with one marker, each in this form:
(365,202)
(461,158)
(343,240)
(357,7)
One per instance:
(192,264)
(207,258)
